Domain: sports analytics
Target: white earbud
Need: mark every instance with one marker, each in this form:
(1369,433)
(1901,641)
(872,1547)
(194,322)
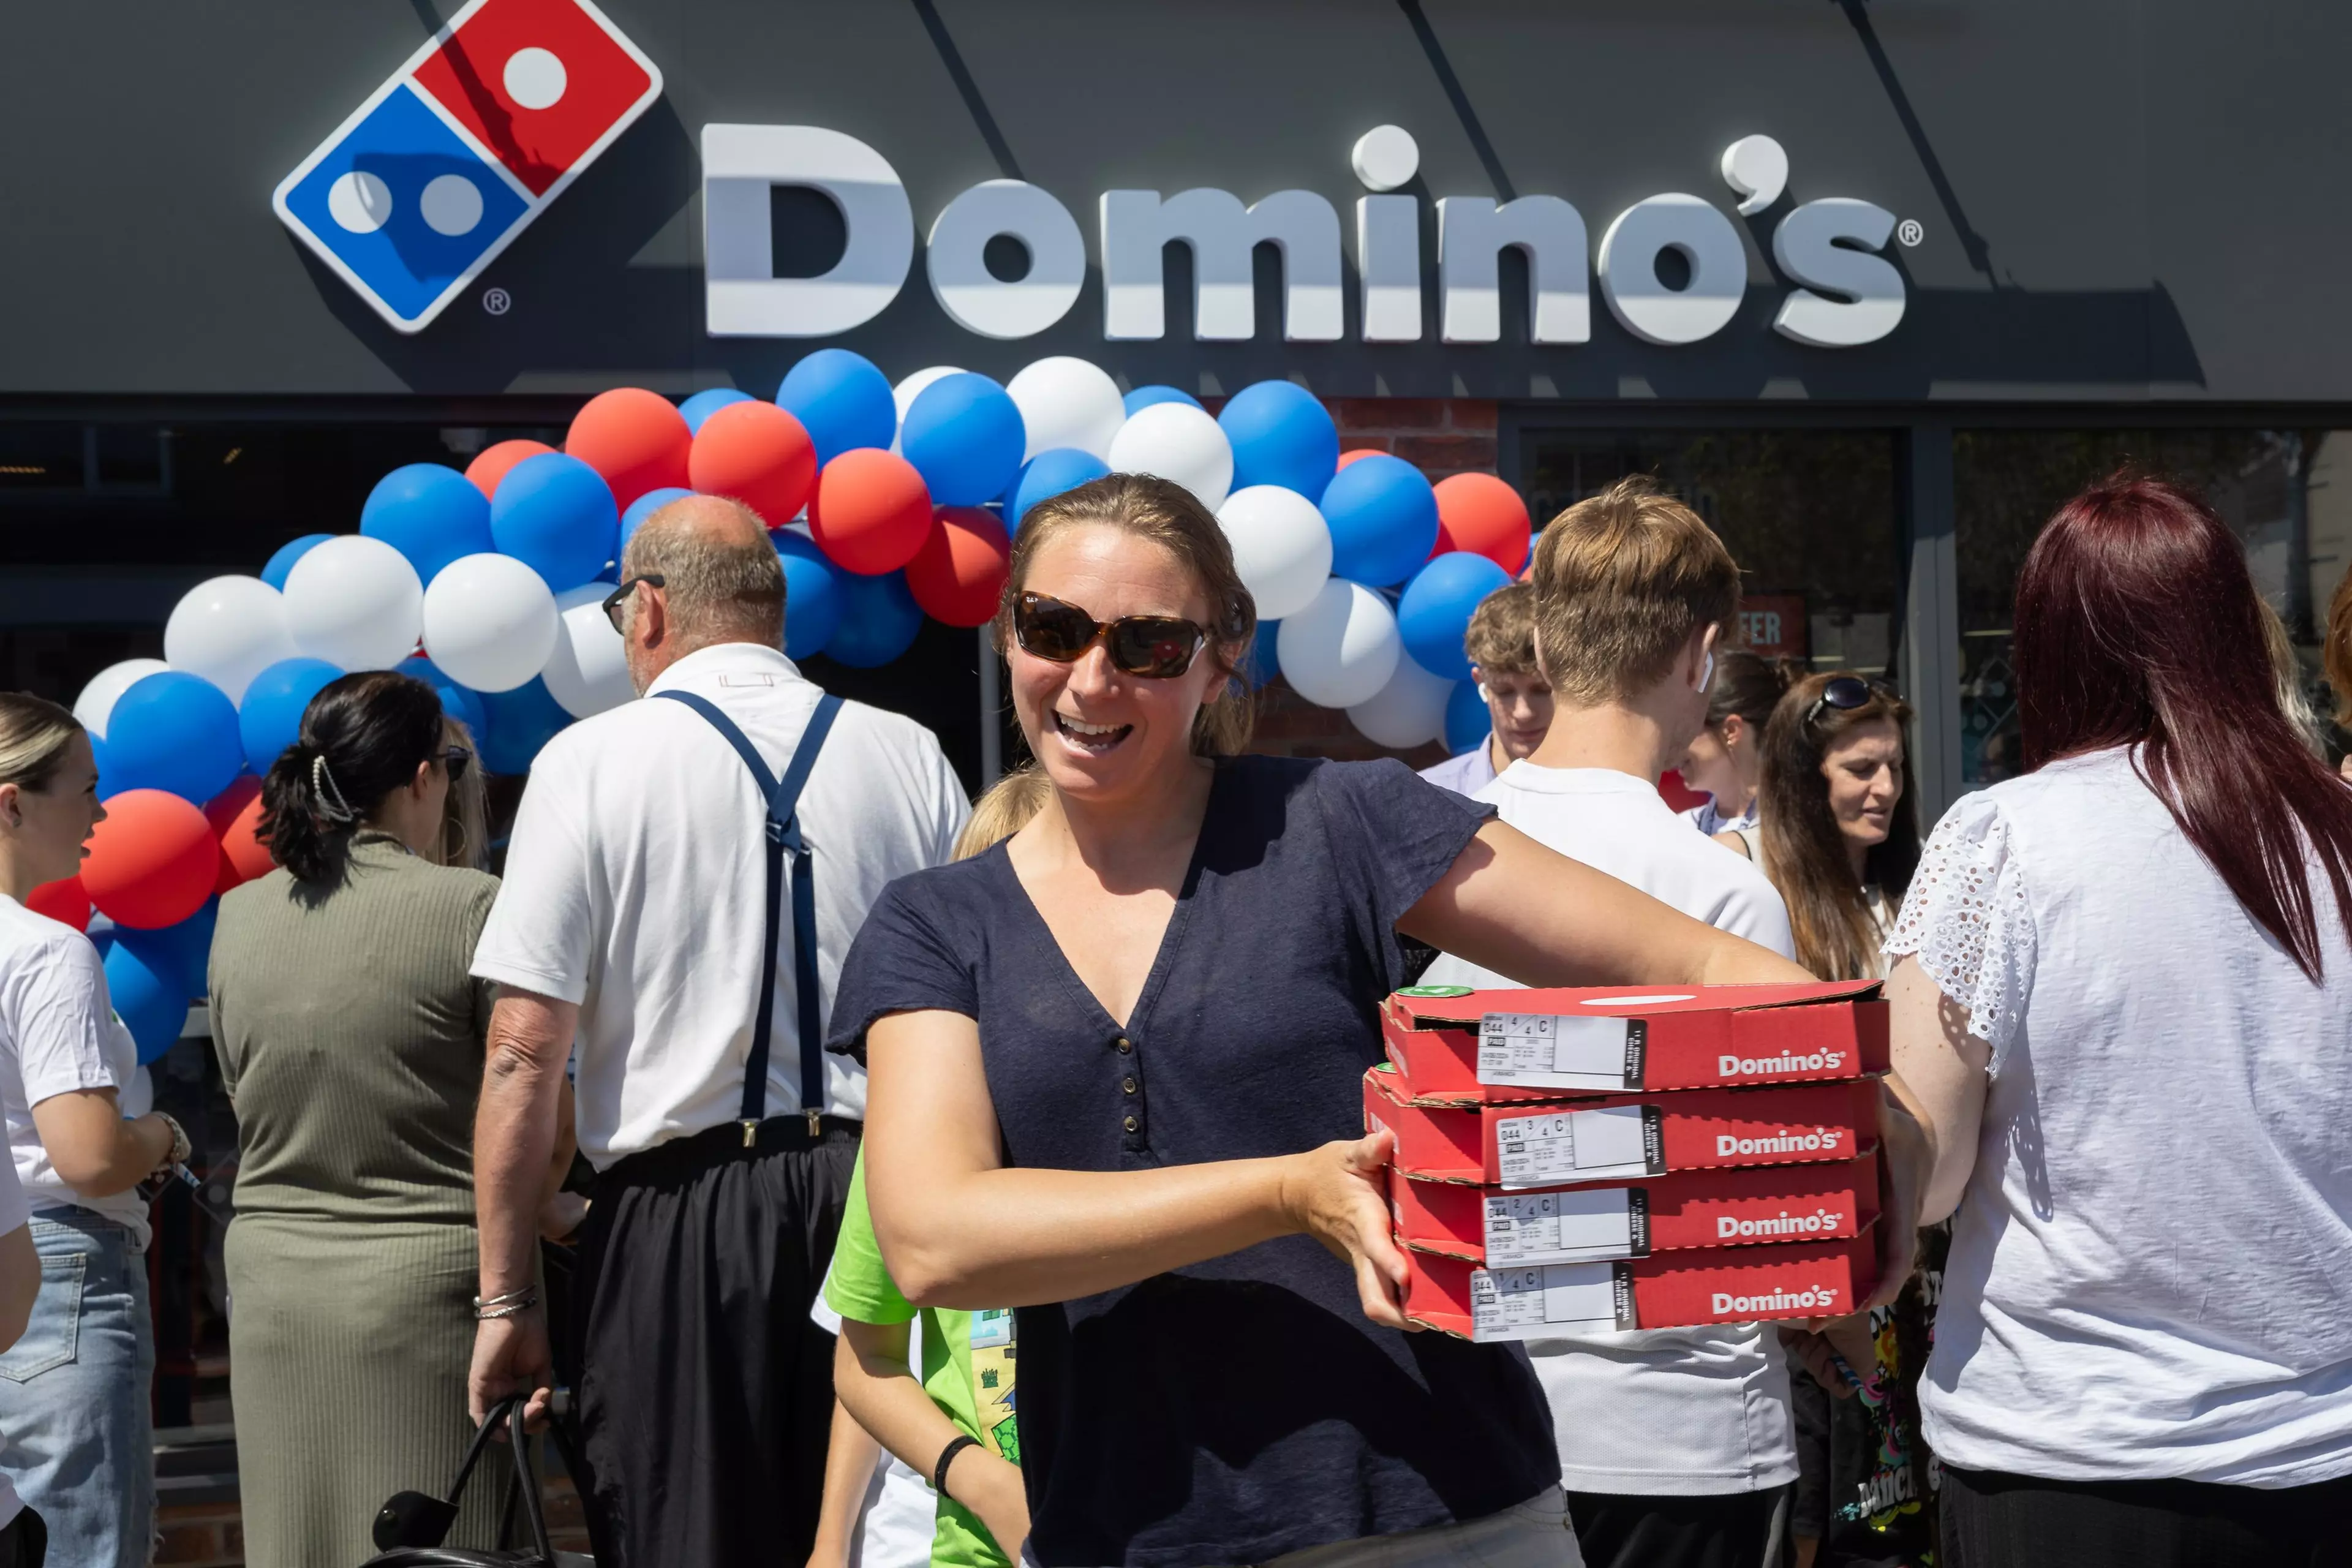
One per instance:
(1482,693)
(1705,672)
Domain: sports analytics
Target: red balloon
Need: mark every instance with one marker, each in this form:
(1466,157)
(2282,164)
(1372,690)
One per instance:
(958,576)
(153,862)
(492,463)
(760,455)
(1348,457)
(241,847)
(1480,513)
(870,512)
(221,813)
(636,439)
(63,901)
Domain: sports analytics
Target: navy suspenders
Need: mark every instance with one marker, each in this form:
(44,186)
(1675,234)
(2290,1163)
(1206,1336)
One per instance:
(783,837)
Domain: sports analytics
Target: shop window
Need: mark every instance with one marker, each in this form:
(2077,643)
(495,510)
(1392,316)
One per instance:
(2287,494)
(1809,515)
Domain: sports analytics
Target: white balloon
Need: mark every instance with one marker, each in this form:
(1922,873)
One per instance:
(228,630)
(1178,442)
(96,703)
(1409,711)
(354,602)
(489,621)
(589,670)
(1066,402)
(907,391)
(1282,547)
(1342,648)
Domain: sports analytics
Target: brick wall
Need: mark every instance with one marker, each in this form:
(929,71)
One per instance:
(1440,436)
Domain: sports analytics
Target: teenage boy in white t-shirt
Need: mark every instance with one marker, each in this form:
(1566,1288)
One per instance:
(1676,1445)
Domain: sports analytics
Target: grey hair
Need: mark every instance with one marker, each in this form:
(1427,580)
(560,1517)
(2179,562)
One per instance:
(716,591)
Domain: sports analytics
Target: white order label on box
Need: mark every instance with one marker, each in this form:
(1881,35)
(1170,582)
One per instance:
(1563,1227)
(1542,1303)
(1608,1144)
(1545,1050)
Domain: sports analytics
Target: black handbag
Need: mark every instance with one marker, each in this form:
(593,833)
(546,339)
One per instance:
(411,1526)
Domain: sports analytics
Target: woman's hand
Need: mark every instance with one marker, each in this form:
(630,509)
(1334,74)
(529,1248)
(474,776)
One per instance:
(992,1489)
(1337,1194)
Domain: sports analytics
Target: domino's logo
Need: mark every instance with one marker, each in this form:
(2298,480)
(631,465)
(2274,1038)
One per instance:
(450,159)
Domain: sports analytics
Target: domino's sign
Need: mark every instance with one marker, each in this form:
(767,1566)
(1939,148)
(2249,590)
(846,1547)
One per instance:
(449,160)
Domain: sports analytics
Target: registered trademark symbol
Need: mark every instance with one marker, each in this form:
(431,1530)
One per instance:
(497,301)
(1908,231)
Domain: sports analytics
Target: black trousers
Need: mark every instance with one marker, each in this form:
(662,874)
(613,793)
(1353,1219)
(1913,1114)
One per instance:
(705,1393)
(1735,1530)
(1996,1521)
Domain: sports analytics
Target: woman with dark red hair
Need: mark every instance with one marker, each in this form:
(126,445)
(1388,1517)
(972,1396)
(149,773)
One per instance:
(2122,1003)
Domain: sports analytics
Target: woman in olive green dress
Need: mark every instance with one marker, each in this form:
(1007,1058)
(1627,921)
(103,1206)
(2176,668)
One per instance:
(349,1034)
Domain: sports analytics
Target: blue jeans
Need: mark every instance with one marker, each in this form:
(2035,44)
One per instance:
(79,1432)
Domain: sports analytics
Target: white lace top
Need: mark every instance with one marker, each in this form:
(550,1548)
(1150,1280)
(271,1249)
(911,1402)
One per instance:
(2151,1270)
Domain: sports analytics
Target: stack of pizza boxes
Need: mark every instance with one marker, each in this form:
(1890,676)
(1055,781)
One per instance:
(1575,1160)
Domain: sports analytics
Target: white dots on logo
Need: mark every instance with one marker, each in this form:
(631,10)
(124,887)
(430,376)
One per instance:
(359,201)
(451,204)
(535,79)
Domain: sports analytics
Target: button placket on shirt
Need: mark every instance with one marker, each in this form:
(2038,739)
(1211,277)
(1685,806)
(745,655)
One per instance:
(1127,1064)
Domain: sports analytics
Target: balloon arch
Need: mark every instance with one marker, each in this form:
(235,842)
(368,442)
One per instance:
(886,504)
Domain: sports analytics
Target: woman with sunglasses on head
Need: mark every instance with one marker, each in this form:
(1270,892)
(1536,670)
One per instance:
(2121,1000)
(350,1036)
(1116,1065)
(1835,828)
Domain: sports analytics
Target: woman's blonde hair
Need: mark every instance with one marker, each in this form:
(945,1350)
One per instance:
(1171,517)
(35,733)
(1004,809)
(466,814)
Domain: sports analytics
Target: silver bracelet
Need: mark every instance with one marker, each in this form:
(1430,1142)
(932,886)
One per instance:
(507,1305)
(485,1315)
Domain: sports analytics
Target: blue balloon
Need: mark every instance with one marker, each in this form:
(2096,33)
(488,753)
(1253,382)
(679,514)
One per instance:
(879,619)
(290,551)
(1145,396)
(271,716)
(1383,518)
(1049,473)
(1260,666)
(429,513)
(175,731)
(177,952)
(462,703)
(1467,722)
(813,592)
(842,400)
(1434,615)
(1281,435)
(965,436)
(643,507)
(149,995)
(516,725)
(555,514)
(705,404)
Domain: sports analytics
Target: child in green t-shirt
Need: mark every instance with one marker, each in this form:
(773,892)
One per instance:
(966,1389)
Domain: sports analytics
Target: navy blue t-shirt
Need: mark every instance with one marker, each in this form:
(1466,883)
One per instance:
(1240,1408)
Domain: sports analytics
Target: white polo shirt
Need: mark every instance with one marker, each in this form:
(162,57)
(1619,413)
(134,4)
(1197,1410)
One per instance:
(636,885)
(1652,1411)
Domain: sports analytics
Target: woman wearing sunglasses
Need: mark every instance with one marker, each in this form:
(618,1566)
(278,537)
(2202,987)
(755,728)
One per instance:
(351,1040)
(1116,1066)
(1836,830)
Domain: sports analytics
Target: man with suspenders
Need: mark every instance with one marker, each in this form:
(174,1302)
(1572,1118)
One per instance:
(684,879)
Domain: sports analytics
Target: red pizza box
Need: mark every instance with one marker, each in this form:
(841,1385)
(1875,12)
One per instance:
(1672,1290)
(1457,1045)
(1759,1206)
(1622,1137)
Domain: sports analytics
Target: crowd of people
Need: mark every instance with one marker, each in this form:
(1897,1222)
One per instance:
(859,1176)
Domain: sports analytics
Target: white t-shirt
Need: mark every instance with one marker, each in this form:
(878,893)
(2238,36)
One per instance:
(14,1213)
(59,1033)
(1468,773)
(1654,1411)
(2150,1273)
(898,1520)
(636,884)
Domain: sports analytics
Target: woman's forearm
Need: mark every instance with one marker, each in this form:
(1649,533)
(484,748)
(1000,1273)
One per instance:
(92,1148)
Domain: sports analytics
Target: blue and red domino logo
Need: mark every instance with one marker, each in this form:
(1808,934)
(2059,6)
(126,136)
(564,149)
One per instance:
(444,164)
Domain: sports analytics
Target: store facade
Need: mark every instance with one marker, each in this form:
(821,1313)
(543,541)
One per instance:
(1872,284)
